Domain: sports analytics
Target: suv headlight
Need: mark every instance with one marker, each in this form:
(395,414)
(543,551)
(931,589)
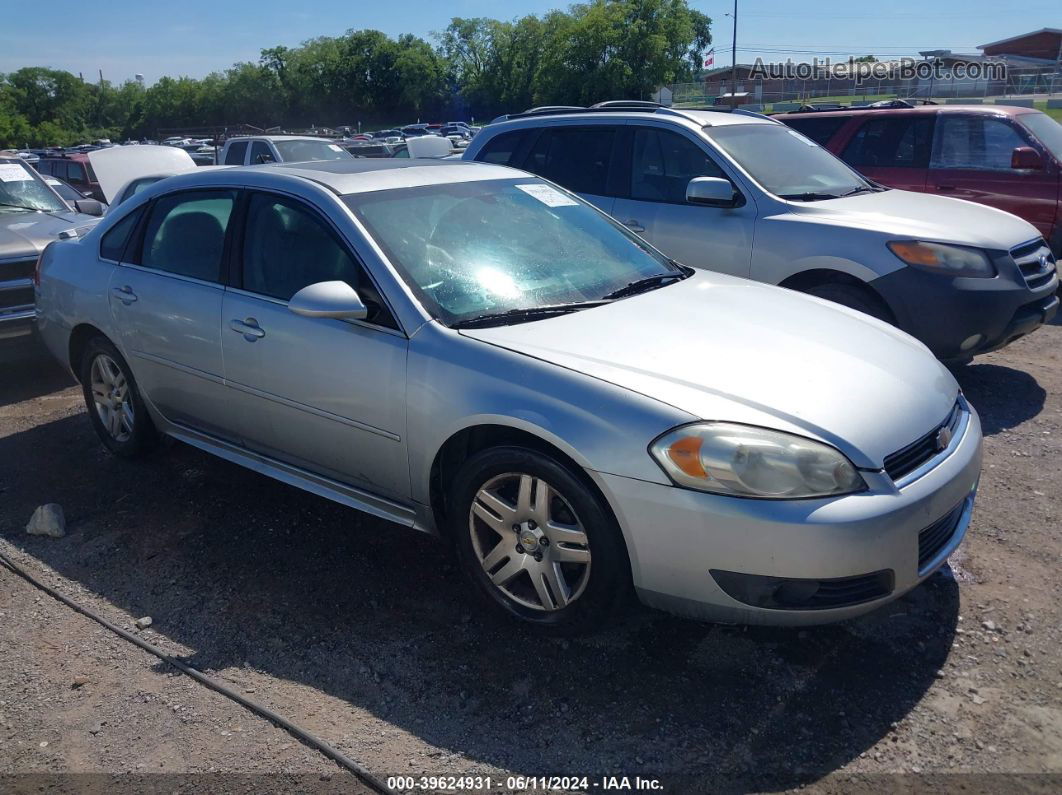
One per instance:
(944,259)
(745,461)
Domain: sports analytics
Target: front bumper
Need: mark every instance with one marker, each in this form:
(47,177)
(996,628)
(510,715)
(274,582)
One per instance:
(957,318)
(677,537)
(17,321)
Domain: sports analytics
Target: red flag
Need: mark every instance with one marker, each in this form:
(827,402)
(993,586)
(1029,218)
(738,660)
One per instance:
(709,58)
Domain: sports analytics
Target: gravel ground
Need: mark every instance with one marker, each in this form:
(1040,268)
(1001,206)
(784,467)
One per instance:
(362,632)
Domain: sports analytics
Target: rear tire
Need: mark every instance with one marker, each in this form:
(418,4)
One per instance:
(113,401)
(853,297)
(536,543)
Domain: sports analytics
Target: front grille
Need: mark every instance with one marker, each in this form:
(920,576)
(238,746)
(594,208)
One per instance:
(19,269)
(935,537)
(20,297)
(851,590)
(1035,261)
(909,458)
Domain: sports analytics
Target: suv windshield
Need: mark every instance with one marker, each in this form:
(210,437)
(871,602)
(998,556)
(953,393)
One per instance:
(301,151)
(786,163)
(22,189)
(476,249)
(1047,130)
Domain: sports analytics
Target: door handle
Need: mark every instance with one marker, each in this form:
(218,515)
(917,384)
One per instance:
(124,294)
(945,187)
(249,328)
(634,226)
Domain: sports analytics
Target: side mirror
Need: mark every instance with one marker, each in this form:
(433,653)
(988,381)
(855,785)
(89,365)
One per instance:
(89,207)
(1025,157)
(711,192)
(328,299)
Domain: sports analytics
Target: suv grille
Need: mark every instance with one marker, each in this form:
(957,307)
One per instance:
(1035,261)
(16,287)
(935,537)
(20,269)
(909,458)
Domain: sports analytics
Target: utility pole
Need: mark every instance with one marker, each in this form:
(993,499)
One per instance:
(733,62)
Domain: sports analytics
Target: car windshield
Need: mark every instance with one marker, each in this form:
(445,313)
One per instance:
(22,189)
(786,163)
(471,249)
(1047,131)
(63,189)
(301,151)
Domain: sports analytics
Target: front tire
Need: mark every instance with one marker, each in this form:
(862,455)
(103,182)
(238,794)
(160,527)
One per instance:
(113,401)
(854,297)
(536,542)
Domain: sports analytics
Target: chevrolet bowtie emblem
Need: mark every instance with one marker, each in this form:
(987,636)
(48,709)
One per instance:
(943,438)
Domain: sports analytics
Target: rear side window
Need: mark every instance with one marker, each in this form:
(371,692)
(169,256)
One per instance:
(818,129)
(664,163)
(45,167)
(501,148)
(185,233)
(576,157)
(261,153)
(75,172)
(983,143)
(235,154)
(891,142)
(112,246)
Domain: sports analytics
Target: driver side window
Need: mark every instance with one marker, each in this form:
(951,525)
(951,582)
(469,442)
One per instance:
(287,247)
(261,153)
(664,163)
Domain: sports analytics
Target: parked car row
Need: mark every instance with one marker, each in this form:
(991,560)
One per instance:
(583,405)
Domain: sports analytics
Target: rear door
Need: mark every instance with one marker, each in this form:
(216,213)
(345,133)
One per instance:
(166,298)
(971,160)
(579,157)
(892,149)
(659,164)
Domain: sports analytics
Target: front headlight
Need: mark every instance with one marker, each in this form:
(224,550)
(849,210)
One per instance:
(744,461)
(944,259)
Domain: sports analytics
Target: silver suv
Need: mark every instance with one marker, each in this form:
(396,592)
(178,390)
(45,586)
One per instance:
(745,195)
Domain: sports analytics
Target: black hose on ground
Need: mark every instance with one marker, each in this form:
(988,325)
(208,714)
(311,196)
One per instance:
(276,719)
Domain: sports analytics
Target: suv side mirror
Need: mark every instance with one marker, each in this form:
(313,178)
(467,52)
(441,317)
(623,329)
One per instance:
(1025,157)
(711,192)
(89,207)
(328,299)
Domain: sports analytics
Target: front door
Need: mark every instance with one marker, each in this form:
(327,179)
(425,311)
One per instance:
(662,163)
(972,160)
(333,390)
(166,298)
(892,149)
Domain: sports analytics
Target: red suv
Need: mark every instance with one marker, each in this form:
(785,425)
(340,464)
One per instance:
(1005,157)
(75,169)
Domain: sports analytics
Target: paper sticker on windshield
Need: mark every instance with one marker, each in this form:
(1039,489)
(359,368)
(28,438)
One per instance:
(335,147)
(13,172)
(801,138)
(551,197)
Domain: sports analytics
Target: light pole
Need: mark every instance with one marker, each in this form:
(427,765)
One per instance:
(733,59)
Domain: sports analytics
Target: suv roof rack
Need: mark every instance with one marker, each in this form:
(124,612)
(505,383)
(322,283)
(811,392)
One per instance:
(885,104)
(622,105)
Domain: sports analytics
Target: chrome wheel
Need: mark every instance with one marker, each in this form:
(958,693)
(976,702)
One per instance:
(111,397)
(529,541)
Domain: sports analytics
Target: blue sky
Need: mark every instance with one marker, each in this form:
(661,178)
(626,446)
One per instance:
(123,38)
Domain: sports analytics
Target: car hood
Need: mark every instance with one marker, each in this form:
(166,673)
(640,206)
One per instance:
(907,214)
(722,348)
(117,166)
(24,235)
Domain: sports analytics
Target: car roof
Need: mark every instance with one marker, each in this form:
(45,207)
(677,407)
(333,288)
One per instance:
(690,117)
(365,175)
(323,139)
(995,110)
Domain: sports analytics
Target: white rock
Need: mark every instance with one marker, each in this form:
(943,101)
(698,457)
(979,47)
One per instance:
(143,623)
(47,520)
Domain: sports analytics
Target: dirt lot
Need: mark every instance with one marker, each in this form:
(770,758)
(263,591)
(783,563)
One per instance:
(362,632)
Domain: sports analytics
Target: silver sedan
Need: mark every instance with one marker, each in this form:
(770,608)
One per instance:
(477,353)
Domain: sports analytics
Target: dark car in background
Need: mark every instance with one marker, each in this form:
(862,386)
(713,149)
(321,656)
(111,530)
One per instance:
(1005,157)
(74,169)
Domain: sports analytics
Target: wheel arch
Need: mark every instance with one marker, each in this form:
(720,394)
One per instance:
(471,439)
(815,277)
(79,340)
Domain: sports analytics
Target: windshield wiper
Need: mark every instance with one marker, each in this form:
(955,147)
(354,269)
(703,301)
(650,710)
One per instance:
(860,189)
(524,314)
(809,196)
(646,284)
(19,206)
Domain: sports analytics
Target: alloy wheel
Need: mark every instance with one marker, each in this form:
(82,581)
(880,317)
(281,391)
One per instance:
(529,541)
(112,398)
